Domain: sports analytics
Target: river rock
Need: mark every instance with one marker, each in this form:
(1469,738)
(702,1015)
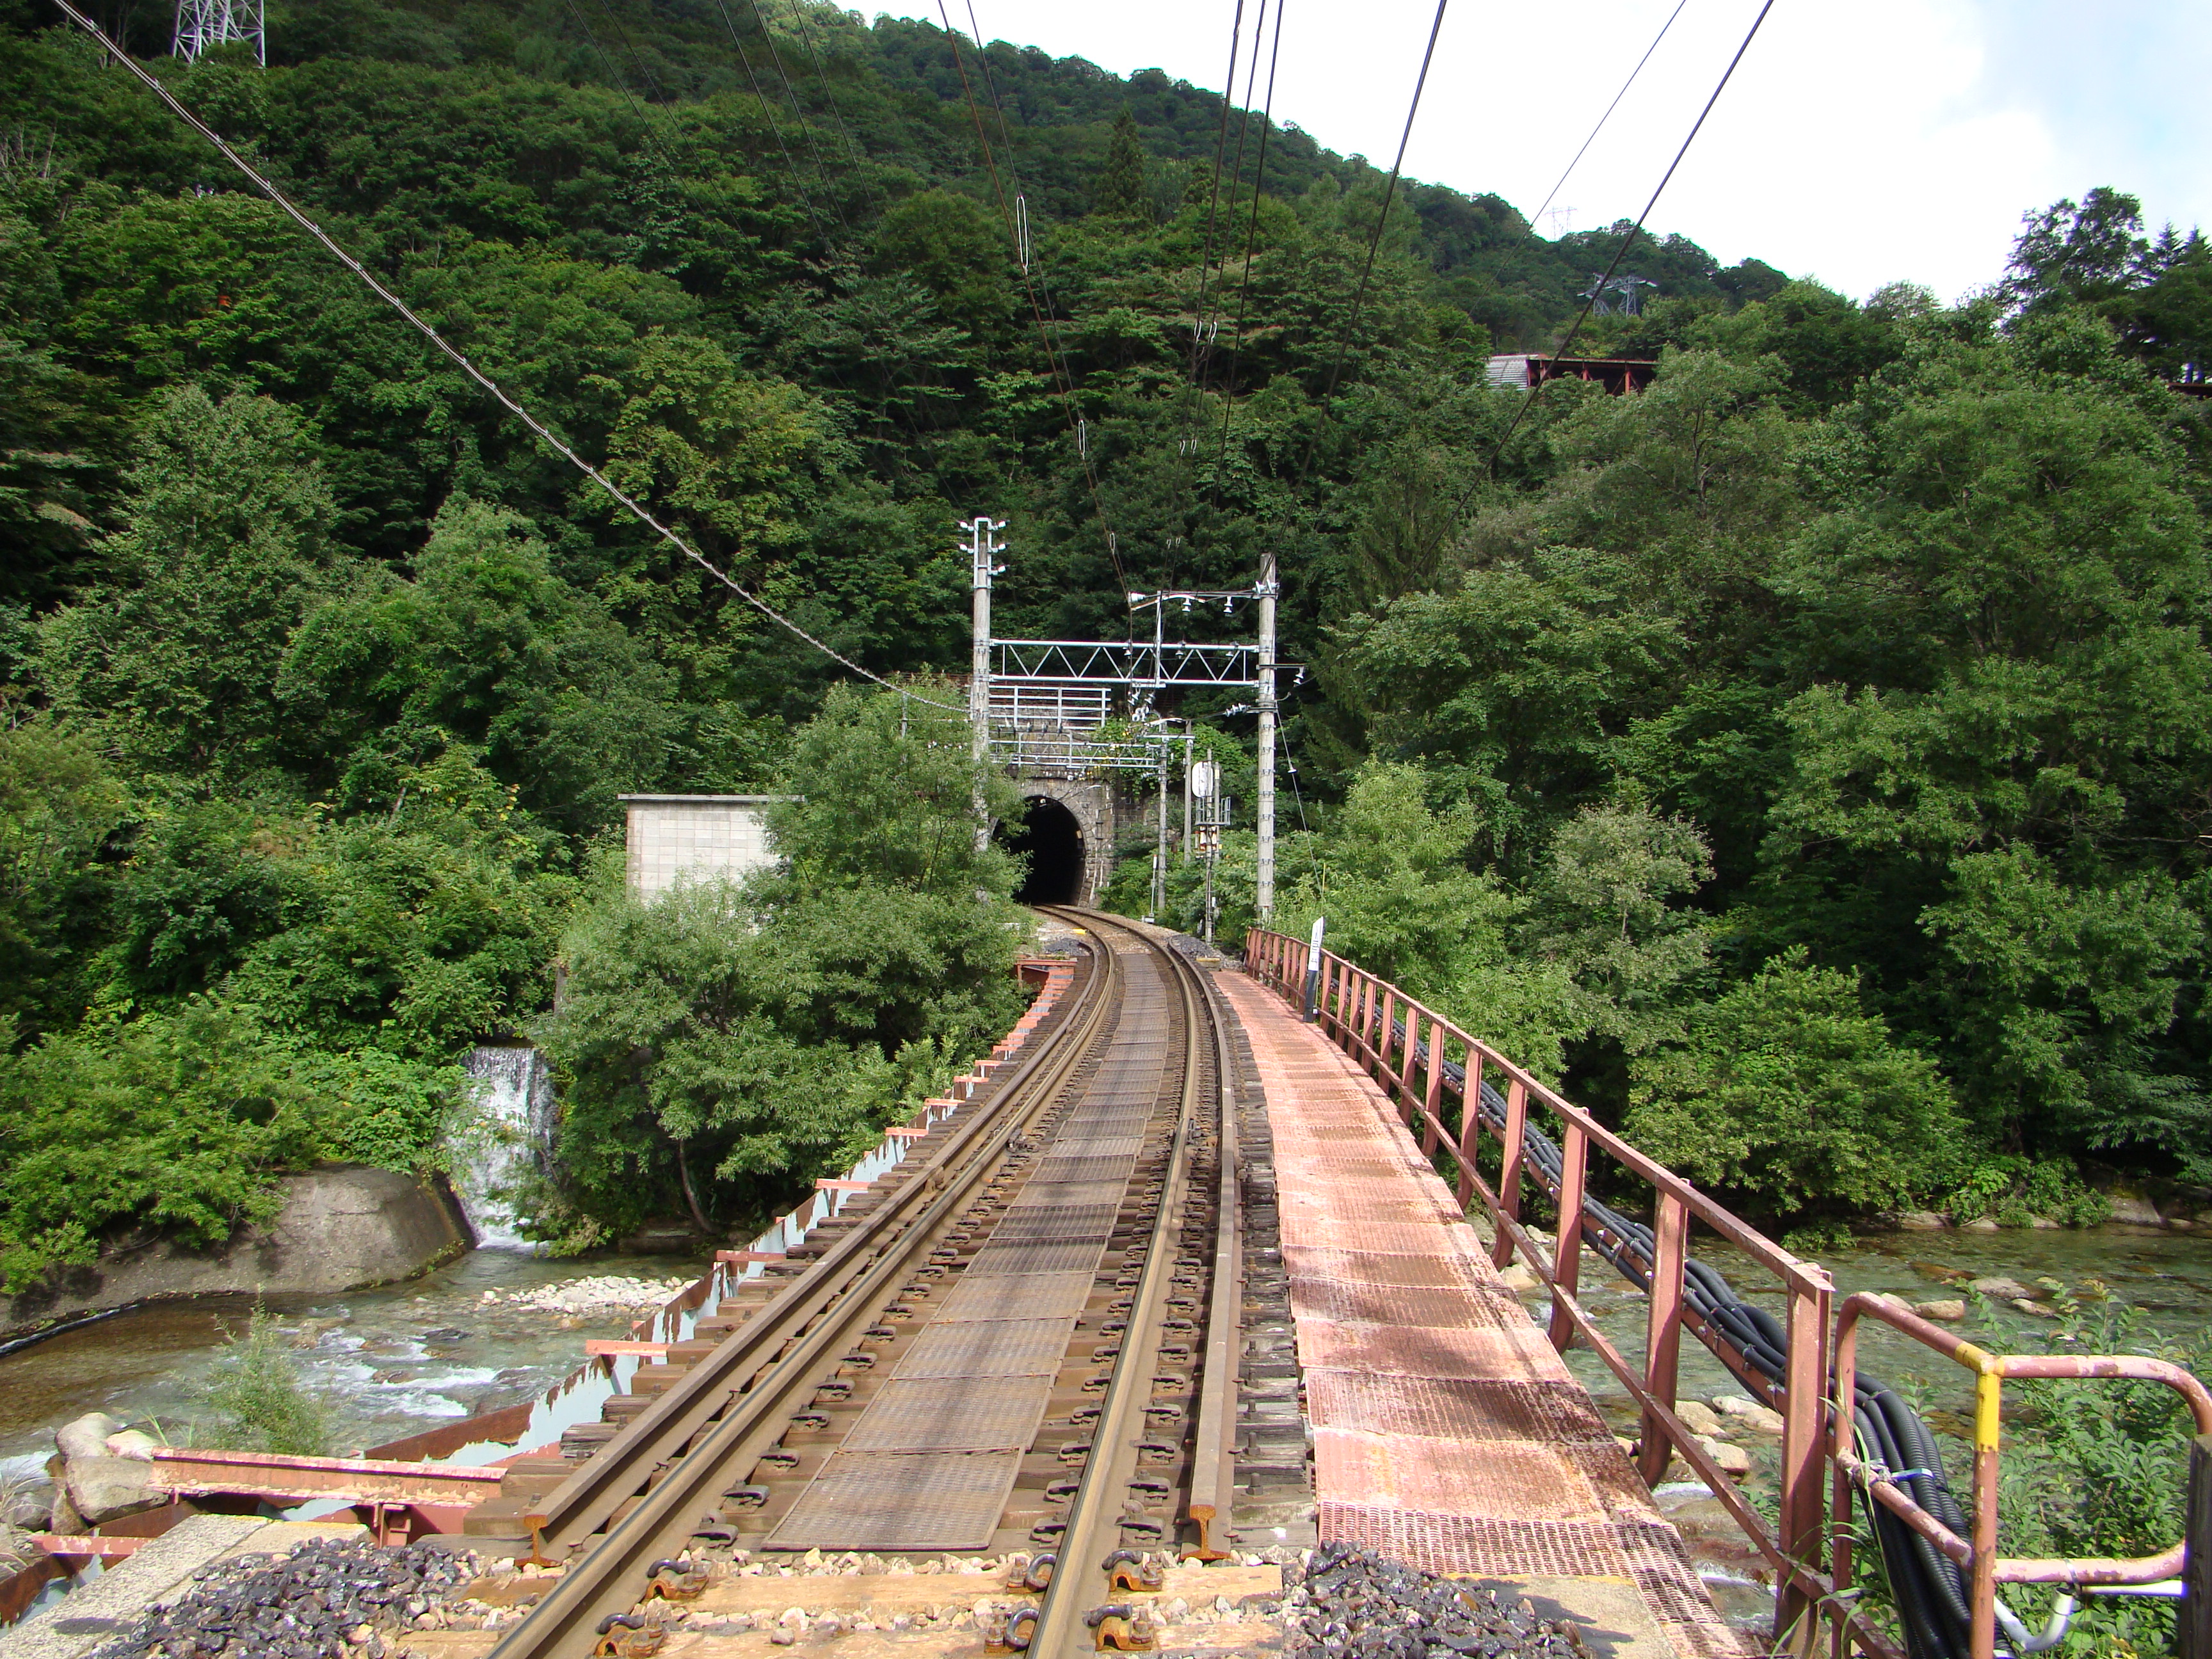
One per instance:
(2000,1289)
(133,1443)
(1980,1224)
(86,1436)
(1922,1221)
(30,1506)
(341,1227)
(1733,1462)
(1698,1418)
(1517,1278)
(2045,1224)
(1749,1413)
(2133,1211)
(1948,1310)
(2034,1308)
(104,1488)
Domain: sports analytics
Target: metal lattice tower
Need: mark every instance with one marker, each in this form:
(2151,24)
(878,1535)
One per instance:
(204,23)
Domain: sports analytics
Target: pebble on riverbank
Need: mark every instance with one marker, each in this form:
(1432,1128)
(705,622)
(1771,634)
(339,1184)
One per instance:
(597,1294)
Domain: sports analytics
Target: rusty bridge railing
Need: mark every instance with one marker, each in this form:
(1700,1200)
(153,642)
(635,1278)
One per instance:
(1430,1069)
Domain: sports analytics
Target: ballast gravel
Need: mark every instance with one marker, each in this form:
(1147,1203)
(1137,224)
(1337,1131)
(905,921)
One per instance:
(1355,1603)
(336,1599)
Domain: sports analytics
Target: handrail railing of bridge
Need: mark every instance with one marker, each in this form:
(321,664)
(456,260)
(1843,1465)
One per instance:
(1429,1068)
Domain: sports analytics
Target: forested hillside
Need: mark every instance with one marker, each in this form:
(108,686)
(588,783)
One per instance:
(1805,760)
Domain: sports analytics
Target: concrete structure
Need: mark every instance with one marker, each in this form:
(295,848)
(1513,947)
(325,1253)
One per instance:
(1091,802)
(695,835)
(341,1227)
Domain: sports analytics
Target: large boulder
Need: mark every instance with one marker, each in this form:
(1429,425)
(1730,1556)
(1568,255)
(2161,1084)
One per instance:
(103,1488)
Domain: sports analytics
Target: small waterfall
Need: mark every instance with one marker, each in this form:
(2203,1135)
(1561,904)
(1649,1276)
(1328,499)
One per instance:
(511,1138)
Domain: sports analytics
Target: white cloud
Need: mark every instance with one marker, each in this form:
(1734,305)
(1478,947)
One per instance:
(1899,140)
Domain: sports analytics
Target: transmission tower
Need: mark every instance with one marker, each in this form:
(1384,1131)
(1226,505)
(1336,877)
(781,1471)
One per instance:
(204,23)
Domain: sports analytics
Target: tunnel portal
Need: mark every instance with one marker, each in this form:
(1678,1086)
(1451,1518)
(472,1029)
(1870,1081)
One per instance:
(1052,839)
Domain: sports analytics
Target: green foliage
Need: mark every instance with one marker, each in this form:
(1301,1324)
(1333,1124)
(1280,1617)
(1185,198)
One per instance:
(1786,1091)
(722,1045)
(1123,191)
(261,1404)
(2105,1474)
(179,1122)
(2017,1191)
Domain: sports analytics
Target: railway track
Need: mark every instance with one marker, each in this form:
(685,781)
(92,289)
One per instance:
(1021,1341)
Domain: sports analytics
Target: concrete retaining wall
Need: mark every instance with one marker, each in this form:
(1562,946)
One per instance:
(343,1227)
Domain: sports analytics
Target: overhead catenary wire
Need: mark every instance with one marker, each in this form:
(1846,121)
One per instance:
(1243,133)
(828,95)
(461,361)
(1621,253)
(774,127)
(1197,342)
(798,114)
(1389,192)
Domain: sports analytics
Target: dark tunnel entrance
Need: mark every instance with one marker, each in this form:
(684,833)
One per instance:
(1053,841)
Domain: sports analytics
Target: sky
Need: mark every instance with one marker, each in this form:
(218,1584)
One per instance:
(1887,141)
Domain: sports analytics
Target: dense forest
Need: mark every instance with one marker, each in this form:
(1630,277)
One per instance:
(1805,760)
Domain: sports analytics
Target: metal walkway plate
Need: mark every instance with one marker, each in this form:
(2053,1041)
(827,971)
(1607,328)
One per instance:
(983,1347)
(900,1501)
(950,1414)
(1043,1256)
(1017,1296)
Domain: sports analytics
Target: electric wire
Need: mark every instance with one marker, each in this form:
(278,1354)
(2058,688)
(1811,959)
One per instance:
(1244,132)
(1389,191)
(829,94)
(1620,253)
(774,127)
(651,80)
(1063,383)
(460,360)
(1560,184)
(1199,342)
(1251,241)
(798,113)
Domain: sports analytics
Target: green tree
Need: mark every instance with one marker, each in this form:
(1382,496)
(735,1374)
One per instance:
(174,659)
(1123,191)
(1787,1092)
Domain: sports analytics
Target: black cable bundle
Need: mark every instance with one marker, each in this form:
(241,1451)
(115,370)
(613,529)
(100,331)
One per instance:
(1930,1587)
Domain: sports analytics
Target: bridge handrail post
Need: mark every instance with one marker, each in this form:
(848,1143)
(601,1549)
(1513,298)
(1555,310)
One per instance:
(1567,1244)
(1804,1423)
(1509,1173)
(1662,1346)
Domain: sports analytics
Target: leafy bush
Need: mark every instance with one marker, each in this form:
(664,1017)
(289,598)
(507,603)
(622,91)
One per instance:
(1788,1091)
(2016,1190)
(723,1043)
(181,1122)
(261,1403)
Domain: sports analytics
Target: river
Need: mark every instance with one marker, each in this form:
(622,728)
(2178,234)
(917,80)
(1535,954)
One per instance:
(2166,1276)
(386,1362)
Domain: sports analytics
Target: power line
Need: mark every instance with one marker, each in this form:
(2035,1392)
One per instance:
(775,61)
(622,34)
(1389,190)
(1063,382)
(1626,242)
(1243,127)
(1220,149)
(773,126)
(1251,240)
(1609,109)
(828,95)
(461,361)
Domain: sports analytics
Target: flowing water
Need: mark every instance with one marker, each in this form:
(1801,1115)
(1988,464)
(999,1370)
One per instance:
(2164,1278)
(387,1362)
(511,1141)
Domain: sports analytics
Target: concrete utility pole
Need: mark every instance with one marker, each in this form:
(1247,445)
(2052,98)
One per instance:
(982,547)
(1160,847)
(1264,897)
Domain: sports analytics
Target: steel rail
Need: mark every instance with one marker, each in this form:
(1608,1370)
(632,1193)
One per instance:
(1095,1515)
(1213,1464)
(710,1428)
